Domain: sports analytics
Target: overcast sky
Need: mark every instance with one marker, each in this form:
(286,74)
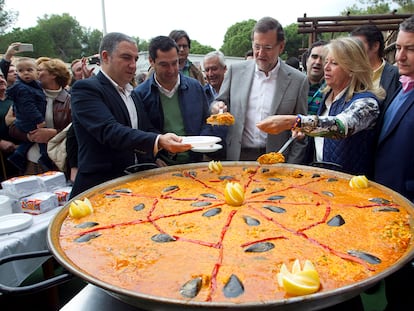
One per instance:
(205,21)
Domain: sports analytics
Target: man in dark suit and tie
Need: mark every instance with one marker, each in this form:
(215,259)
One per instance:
(111,126)
(394,159)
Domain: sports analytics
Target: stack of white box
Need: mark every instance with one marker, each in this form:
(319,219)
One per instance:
(40,193)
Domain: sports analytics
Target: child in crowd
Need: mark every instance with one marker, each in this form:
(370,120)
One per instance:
(29,107)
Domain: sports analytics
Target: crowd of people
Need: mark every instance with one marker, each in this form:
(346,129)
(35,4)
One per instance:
(350,110)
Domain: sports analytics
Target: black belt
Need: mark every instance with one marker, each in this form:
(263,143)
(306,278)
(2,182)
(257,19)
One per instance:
(251,154)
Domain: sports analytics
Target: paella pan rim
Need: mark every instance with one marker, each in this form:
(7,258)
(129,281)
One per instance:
(309,302)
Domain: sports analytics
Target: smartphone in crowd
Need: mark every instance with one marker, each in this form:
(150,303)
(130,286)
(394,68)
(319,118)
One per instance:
(25,47)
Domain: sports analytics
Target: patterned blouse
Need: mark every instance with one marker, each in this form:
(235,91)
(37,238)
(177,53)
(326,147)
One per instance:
(360,115)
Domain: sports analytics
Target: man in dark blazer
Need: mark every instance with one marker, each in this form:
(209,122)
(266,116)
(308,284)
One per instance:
(394,160)
(385,74)
(174,102)
(254,89)
(111,126)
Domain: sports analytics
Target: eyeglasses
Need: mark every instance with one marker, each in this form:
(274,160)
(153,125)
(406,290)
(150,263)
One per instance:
(266,48)
(183,46)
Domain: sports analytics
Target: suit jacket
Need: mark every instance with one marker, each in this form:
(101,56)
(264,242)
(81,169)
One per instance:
(107,142)
(193,105)
(390,81)
(394,160)
(290,98)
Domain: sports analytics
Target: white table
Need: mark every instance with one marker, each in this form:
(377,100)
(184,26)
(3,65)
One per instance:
(24,241)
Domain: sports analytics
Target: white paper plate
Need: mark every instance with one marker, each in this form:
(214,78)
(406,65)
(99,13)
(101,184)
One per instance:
(206,149)
(201,141)
(15,222)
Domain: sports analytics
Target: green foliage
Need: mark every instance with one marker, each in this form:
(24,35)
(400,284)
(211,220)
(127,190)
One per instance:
(66,34)
(237,39)
(143,45)
(61,35)
(294,41)
(381,8)
(197,48)
(90,42)
(7,18)
(58,36)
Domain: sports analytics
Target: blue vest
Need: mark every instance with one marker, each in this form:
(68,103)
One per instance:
(354,153)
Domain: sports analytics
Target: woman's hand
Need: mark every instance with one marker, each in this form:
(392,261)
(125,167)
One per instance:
(298,134)
(276,124)
(41,135)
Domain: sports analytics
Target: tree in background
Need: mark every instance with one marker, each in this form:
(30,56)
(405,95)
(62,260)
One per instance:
(58,36)
(380,7)
(90,42)
(294,42)
(237,39)
(198,48)
(7,18)
(65,33)
(62,36)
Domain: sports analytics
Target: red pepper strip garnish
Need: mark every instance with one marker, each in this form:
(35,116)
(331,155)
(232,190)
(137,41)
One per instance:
(133,222)
(340,254)
(214,273)
(213,281)
(264,240)
(186,174)
(199,242)
(368,205)
(169,193)
(322,221)
(139,221)
(251,178)
(226,227)
(179,199)
(301,234)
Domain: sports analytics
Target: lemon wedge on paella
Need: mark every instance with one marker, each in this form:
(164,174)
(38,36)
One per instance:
(215,166)
(300,281)
(359,182)
(234,194)
(79,208)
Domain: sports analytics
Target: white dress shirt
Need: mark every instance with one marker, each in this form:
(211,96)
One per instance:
(258,107)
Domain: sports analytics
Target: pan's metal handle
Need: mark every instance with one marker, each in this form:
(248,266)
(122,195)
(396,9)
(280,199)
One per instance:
(139,167)
(34,288)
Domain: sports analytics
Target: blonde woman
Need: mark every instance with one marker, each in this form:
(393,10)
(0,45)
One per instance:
(344,126)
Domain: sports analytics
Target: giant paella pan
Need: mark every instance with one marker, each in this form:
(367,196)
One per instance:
(234,235)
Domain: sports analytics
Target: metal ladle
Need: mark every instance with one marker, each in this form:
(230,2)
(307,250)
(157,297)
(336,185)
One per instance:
(287,143)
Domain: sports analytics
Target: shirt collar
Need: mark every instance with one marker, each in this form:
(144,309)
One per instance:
(127,89)
(407,83)
(163,90)
(272,73)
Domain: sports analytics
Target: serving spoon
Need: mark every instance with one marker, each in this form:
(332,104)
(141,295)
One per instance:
(287,143)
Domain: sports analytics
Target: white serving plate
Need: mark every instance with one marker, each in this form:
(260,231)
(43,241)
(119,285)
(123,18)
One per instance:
(15,222)
(206,149)
(201,141)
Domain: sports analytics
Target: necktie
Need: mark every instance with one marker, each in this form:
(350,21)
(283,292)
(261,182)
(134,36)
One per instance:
(407,83)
